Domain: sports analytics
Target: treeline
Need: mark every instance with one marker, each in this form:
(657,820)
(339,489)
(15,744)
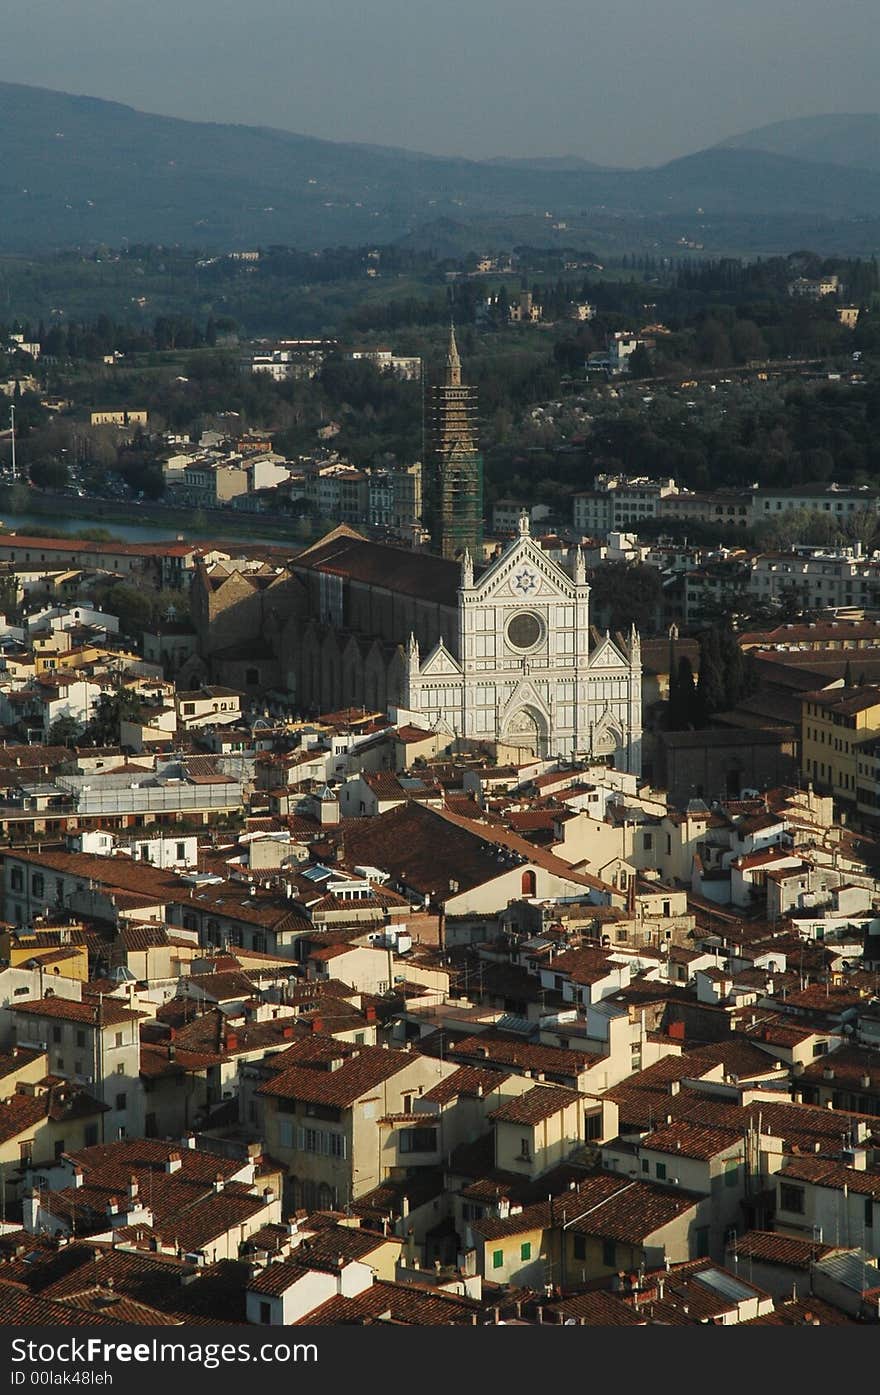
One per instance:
(93,340)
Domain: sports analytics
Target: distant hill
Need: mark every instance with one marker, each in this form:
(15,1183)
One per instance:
(850,140)
(79,171)
(544,162)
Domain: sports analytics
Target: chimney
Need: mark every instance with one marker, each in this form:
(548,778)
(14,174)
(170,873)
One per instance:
(132,1187)
(173,1162)
(30,1211)
(218,1182)
(317,1024)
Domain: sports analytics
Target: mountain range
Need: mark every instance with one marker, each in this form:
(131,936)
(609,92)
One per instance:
(81,171)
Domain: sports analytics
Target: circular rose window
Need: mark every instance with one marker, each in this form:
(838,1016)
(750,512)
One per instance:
(524,630)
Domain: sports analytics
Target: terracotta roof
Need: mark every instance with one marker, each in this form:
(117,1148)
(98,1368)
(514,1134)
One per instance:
(535,1105)
(597,1309)
(689,1141)
(772,1247)
(365,1069)
(110,1010)
(468,1082)
(828,1172)
(489,1047)
(397,569)
(634,1211)
(802,1312)
(410,1304)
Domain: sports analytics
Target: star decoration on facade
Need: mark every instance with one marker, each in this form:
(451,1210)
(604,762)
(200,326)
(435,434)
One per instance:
(525,581)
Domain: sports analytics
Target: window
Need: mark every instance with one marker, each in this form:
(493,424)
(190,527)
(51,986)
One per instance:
(120,1069)
(593,1126)
(648,841)
(529,884)
(56,1033)
(59,1148)
(37,884)
(701,1241)
(609,1254)
(418,1140)
(661,1172)
(90,1135)
(322,1141)
(265,1313)
(26,1153)
(645,1165)
(525,1149)
(580,1247)
(497,1259)
(117,1040)
(181,852)
(869,1213)
(791,1198)
(121,1100)
(16,880)
(525,1250)
(80,1038)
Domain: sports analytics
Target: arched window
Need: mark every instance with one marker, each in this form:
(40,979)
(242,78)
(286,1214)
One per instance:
(529,884)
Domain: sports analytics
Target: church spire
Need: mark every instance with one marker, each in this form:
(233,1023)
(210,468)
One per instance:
(453,362)
(467,568)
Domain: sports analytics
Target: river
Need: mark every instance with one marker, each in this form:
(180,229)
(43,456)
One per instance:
(128,532)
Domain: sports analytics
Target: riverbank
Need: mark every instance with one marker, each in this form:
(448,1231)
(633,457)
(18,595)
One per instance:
(21,507)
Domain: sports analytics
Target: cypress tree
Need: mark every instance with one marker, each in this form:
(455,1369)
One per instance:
(711,693)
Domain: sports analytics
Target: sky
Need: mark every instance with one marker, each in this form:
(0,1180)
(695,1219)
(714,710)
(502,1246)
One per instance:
(625,82)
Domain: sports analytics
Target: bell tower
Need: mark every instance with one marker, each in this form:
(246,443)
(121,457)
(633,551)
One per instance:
(456,463)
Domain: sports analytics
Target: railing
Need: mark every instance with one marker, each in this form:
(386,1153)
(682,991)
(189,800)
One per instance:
(159,799)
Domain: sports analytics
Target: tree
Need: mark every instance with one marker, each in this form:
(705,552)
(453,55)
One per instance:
(9,586)
(110,710)
(49,474)
(133,608)
(682,711)
(64,731)
(640,365)
(625,594)
(710,686)
(734,675)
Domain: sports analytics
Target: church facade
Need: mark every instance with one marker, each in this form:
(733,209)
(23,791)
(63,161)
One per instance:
(527,669)
(501,654)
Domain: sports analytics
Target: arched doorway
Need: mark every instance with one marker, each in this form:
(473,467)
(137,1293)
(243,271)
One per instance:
(527,728)
(608,745)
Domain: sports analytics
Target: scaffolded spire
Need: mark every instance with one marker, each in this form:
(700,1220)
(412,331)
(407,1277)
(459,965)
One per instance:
(453,362)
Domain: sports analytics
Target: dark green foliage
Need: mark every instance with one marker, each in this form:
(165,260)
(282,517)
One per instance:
(625,594)
(109,711)
(682,710)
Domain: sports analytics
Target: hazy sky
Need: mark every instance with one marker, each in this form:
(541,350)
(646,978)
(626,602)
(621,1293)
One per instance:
(622,81)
